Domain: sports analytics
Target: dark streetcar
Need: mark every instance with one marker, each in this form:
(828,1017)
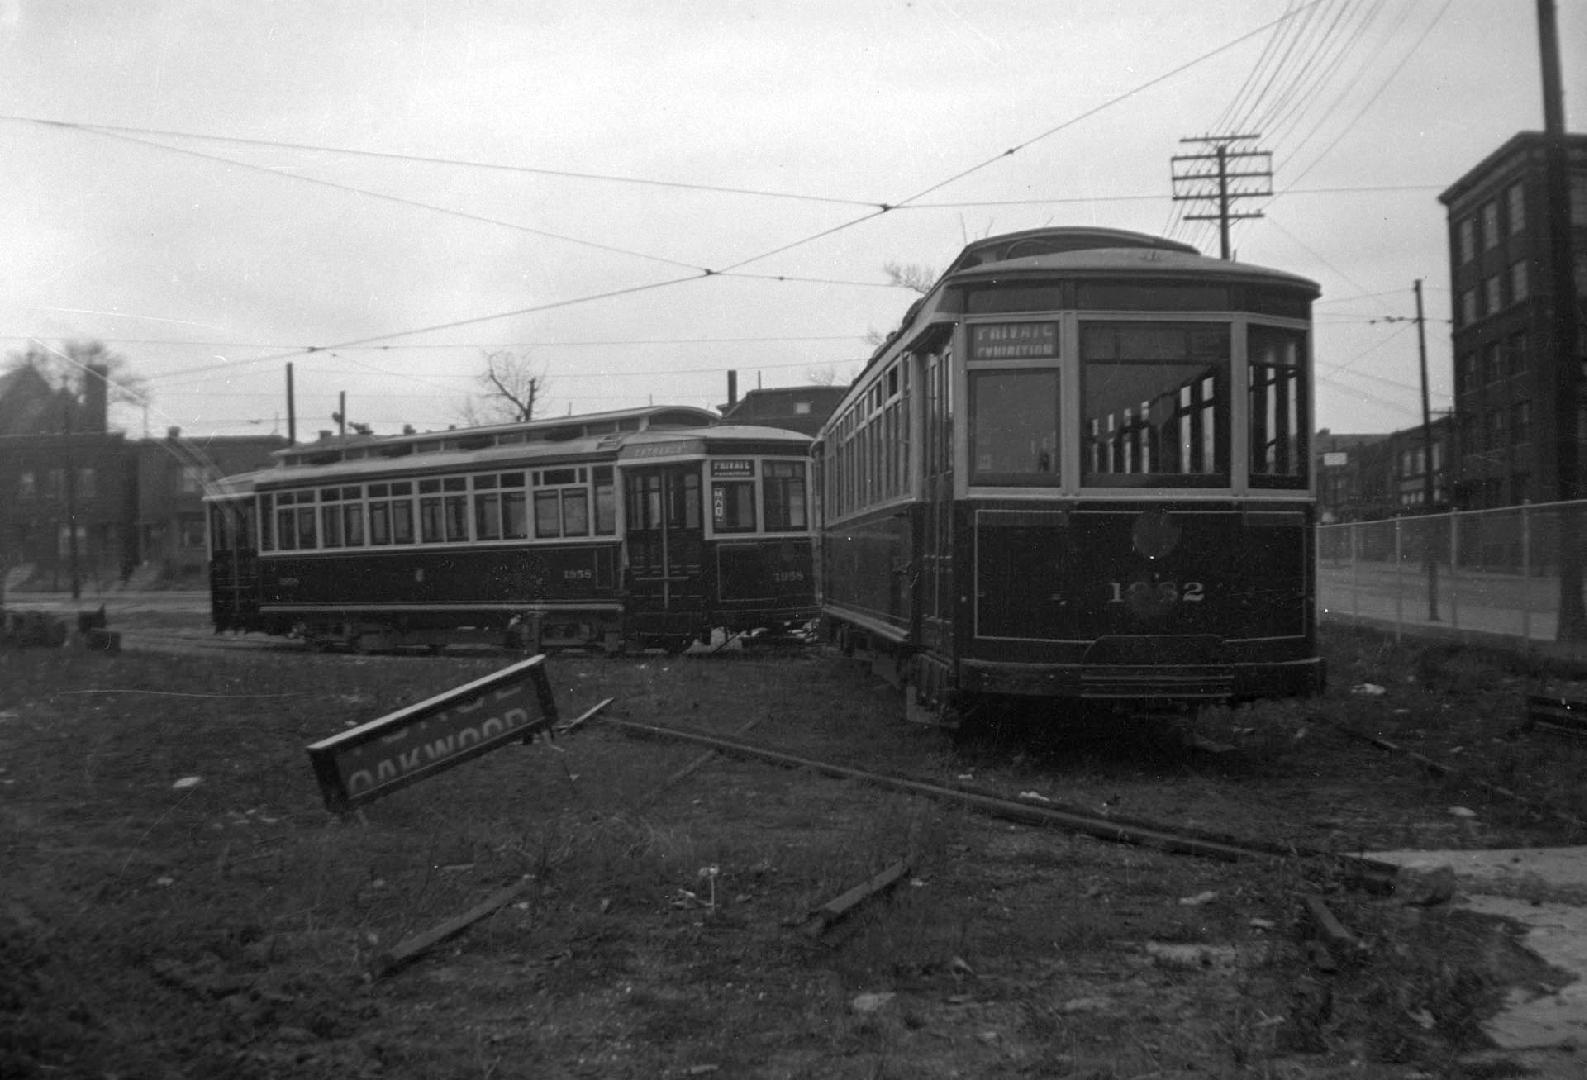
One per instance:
(585,531)
(1079,469)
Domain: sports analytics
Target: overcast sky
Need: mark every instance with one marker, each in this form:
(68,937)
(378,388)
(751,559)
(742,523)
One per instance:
(403,185)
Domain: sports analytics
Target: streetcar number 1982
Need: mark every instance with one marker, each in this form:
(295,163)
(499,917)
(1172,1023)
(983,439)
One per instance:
(1163,592)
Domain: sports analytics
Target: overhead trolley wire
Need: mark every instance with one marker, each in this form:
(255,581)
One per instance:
(113,131)
(454,162)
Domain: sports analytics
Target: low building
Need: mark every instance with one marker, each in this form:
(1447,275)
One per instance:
(794,408)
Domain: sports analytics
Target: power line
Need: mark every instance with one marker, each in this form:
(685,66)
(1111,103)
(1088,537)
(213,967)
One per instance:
(456,162)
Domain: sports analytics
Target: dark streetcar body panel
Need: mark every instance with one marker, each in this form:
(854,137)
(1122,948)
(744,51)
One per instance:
(649,536)
(1079,470)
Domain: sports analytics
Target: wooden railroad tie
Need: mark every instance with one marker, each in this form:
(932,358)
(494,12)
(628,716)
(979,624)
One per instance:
(1558,715)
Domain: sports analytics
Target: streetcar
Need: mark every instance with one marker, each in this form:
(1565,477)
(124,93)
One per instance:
(1079,470)
(650,527)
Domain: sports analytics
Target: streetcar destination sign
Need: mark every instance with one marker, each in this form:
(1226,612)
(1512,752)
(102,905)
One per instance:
(1014,341)
(401,748)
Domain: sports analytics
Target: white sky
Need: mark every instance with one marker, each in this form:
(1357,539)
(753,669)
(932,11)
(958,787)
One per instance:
(210,263)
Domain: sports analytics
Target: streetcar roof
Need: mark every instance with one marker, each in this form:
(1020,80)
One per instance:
(600,449)
(1138,262)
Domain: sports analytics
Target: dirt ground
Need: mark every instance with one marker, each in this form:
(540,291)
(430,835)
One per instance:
(176,901)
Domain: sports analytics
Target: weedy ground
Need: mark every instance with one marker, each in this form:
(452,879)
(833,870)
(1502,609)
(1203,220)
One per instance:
(176,902)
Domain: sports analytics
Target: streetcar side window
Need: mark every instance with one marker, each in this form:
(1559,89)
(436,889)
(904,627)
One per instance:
(548,514)
(331,517)
(1014,426)
(456,507)
(1155,403)
(1277,387)
(380,514)
(514,510)
(353,516)
(783,496)
(267,520)
(605,501)
(487,507)
(430,520)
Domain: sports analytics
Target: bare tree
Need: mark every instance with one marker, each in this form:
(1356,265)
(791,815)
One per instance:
(511,388)
(69,366)
(912,276)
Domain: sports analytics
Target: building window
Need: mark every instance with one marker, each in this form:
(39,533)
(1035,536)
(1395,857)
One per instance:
(1492,294)
(87,483)
(1521,421)
(1517,206)
(1517,350)
(801,408)
(1492,362)
(27,484)
(1467,241)
(1490,225)
(1468,307)
(1520,283)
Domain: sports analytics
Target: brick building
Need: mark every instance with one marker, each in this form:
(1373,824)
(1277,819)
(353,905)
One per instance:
(81,504)
(1507,411)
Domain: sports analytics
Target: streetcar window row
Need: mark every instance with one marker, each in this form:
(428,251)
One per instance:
(1155,409)
(546,504)
(868,454)
(543,504)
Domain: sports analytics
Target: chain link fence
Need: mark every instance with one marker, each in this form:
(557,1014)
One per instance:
(1470,573)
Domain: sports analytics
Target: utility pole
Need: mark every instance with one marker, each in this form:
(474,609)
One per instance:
(1567,377)
(1206,177)
(292,411)
(69,403)
(1428,544)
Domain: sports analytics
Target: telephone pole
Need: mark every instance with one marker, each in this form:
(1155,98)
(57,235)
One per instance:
(1572,624)
(1208,176)
(1427,459)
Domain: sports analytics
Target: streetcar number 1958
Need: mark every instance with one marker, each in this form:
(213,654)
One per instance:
(1163,592)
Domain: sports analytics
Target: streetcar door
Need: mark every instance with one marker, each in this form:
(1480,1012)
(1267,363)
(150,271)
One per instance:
(666,538)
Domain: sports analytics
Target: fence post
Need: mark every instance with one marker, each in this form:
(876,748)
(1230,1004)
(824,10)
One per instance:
(1399,571)
(1355,573)
(1526,573)
(1454,569)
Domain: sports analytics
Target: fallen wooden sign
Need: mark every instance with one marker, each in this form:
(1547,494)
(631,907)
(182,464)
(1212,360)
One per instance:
(373,759)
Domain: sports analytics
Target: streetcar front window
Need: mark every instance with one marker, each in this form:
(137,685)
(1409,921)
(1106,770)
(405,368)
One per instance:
(1155,400)
(733,506)
(1277,387)
(1014,426)
(783,495)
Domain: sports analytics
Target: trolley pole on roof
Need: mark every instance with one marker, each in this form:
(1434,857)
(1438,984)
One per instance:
(1220,174)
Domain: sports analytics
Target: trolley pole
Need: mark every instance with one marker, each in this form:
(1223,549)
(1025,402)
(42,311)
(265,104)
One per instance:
(1205,177)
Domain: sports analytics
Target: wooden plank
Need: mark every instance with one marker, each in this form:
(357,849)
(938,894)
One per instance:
(1564,716)
(406,950)
(838,909)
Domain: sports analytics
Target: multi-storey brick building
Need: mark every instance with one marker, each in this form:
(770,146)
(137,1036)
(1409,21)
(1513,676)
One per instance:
(1507,410)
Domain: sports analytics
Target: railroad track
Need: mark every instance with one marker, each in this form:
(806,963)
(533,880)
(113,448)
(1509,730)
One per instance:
(1359,871)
